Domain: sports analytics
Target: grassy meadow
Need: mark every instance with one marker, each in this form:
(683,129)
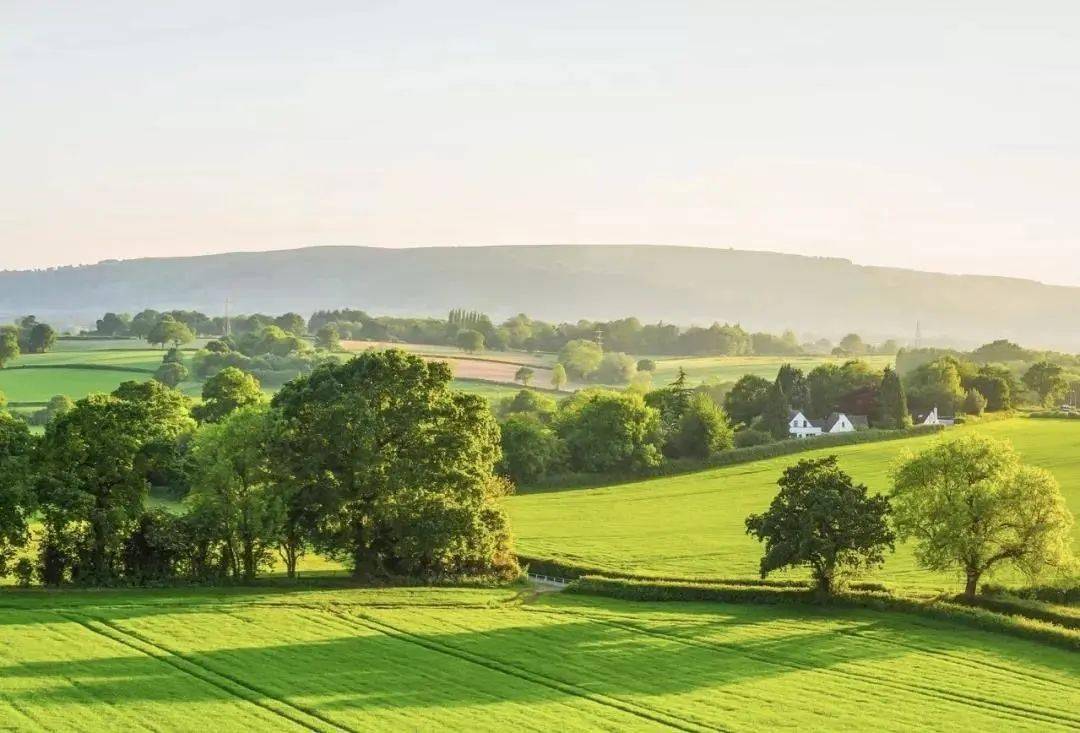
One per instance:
(475,659)
(692,525)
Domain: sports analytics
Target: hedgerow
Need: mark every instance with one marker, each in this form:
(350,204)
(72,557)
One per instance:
(652,590)
(1061,595)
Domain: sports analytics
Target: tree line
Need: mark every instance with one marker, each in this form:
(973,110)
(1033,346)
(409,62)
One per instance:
(375,462)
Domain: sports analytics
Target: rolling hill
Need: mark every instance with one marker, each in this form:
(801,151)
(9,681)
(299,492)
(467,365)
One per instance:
(685,285)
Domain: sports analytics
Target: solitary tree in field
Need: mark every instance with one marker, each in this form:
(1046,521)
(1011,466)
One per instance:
(558,376)
(470,341)
(9,344)
(971,505)
(821,519)
(1047,380)
(41,338)
(524,375)
(168,330)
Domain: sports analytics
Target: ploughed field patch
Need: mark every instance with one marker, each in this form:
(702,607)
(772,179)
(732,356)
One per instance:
(692,526)
(494,659)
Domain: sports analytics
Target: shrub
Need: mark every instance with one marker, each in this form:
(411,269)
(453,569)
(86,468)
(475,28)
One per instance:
(751,437)
(974,403)
(646,365)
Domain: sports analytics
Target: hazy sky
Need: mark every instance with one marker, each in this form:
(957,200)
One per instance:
(935,135)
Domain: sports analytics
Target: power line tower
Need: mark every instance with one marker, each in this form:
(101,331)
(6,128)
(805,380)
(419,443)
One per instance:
(918,334)
(598,337)
(228,330)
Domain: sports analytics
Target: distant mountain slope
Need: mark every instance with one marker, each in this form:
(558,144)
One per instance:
(677,284)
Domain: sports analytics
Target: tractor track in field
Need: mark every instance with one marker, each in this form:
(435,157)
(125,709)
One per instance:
(303,717)
(358,619)
(1005,709)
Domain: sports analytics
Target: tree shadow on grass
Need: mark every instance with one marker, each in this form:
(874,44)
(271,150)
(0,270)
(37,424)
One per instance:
(383,661)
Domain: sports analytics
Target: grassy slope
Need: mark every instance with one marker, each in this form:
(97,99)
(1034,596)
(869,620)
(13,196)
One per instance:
(485,659)
(692,525)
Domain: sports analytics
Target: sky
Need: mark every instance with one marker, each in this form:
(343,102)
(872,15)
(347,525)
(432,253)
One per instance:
(936,135)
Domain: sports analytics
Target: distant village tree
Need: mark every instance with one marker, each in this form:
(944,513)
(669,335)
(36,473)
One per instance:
(524,375)
(776,413)
(558,376)
(1047,380)
(168,330)
(895,414)
(327,337)
(9,344)
(470,341)
(225,392)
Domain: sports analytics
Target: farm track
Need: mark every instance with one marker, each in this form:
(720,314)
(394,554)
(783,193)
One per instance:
(636,709)
(1068,721)
(307,719)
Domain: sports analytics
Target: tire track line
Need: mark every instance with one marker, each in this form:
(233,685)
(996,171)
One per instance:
(306,719)
(669,720)
(1001,708)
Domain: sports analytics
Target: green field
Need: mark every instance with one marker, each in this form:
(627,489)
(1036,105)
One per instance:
(692,525)
(421,659)
(730,368)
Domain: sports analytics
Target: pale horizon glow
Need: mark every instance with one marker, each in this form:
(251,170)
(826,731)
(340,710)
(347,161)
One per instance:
(895,134)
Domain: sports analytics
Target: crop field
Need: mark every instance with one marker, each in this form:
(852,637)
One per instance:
(415,659)
(730,368)
(692,525)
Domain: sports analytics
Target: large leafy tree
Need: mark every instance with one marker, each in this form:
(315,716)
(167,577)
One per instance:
(971,505)
(228,390)
(936,384)
(775,414)
(558,376)
(17,501)
(9,344)
(40,338)
(90,485)
(580,358)
(398,465)
(1047,380)
(530,448)
(470,340)
(746,400)
(703,429)
(234,489)
(610,431)
(168,330)
(795,385)
(823,520)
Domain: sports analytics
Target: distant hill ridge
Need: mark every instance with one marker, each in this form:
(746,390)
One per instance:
(685,285)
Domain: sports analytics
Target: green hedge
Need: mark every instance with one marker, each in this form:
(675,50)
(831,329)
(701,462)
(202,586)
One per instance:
(1056,415)
(1020,626)
(1061,595)
(559,569)
(89,367)
(733,457)
(1018,607)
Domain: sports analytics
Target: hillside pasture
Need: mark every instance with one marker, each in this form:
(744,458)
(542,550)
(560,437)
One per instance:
(415,659)
(521,358)
(692,526)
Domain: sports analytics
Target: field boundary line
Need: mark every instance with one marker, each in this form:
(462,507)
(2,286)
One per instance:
(1005,709)
(640,711)
(226,683)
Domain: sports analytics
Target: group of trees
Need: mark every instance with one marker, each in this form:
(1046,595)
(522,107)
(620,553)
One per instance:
(146,325)
(26,336)
(375,462)
(968,505)
(602,431)
(956,385)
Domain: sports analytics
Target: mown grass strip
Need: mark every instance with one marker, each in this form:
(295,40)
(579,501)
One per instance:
(635,709)
(307,719)
(83,367)
(1007,709)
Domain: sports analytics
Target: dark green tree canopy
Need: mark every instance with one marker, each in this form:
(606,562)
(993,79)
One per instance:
(227,391)
(400,465)
(821,519)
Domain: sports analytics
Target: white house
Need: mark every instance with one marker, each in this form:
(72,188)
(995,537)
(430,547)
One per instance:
(932,418)
(837,422)
(800,427)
